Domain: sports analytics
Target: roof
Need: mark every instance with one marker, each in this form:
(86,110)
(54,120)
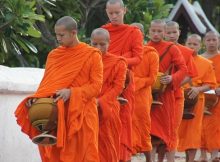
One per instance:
(201,13)
(194,15)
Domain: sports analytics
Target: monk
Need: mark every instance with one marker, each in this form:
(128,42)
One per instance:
(190,130)
(145,75)
(172,33)
(114,73)
(126,41)
(73,74)
(211,126)
(162,117)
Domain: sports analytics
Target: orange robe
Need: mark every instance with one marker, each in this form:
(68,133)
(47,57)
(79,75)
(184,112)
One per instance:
(162,118)
(145,75)
(109,120)
(211,123)
(80,69)
(179,93)
(126,41)
(190,130)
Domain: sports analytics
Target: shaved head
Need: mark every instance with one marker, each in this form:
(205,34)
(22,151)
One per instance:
(68,22)
(115,10)
(139,25)
(158,21)
(212,42)
(172,24)
(196,36)
(115,1)
(66,31)
(100,39)
(212,33)
(172,31)
(101,32)
(156,30)
(194,42)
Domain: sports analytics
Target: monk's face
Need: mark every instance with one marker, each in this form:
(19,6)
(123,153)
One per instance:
(211,42)
(193,43)
(100,42)
(115,13)
(64,36)
(156,32)
(172,33)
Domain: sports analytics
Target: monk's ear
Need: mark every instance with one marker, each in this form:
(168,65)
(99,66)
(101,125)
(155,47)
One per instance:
(125,10)
(74,32)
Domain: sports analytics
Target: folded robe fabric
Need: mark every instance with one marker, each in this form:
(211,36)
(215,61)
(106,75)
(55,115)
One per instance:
(190,130)
(187,54)
(162,118)
(211,126)
(114,73)
(80,69)
(126,41)
(145,75)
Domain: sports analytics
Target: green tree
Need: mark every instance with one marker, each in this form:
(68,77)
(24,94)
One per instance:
(14,35)
(144,12)
(17,24)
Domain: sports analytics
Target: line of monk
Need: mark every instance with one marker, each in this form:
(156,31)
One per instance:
(107,105)
(172,33)
(190,131)
(125,41)
(210,125)
(145,75)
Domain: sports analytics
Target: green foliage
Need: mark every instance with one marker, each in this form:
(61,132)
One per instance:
(17,19)
(216,17)
(144,11)
(27,26)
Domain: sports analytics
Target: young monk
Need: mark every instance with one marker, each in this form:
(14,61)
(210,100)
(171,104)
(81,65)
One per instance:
(172,33)
(190,130)
(162,118)
(73,74)
(114,73)
(211,123)
(126,41)
(145,75)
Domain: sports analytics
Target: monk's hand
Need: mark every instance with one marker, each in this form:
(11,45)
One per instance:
(166,79)
(62,94)
(30,101)
(194,92)
(217,91)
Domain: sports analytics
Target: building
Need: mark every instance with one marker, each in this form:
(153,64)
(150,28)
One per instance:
(191,19)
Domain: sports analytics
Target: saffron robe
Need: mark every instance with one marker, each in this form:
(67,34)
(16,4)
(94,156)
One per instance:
(162,118)
(179,93)
(126,41)
(114,74)
(190,130)
(145,75)
(80,69)
(211,123)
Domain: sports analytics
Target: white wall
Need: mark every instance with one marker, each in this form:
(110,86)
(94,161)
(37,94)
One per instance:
(15,85)
(15,146)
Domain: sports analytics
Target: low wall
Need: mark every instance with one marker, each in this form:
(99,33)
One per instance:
(15,85)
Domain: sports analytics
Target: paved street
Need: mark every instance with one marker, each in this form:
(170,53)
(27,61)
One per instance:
(141,158)
(180,157)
